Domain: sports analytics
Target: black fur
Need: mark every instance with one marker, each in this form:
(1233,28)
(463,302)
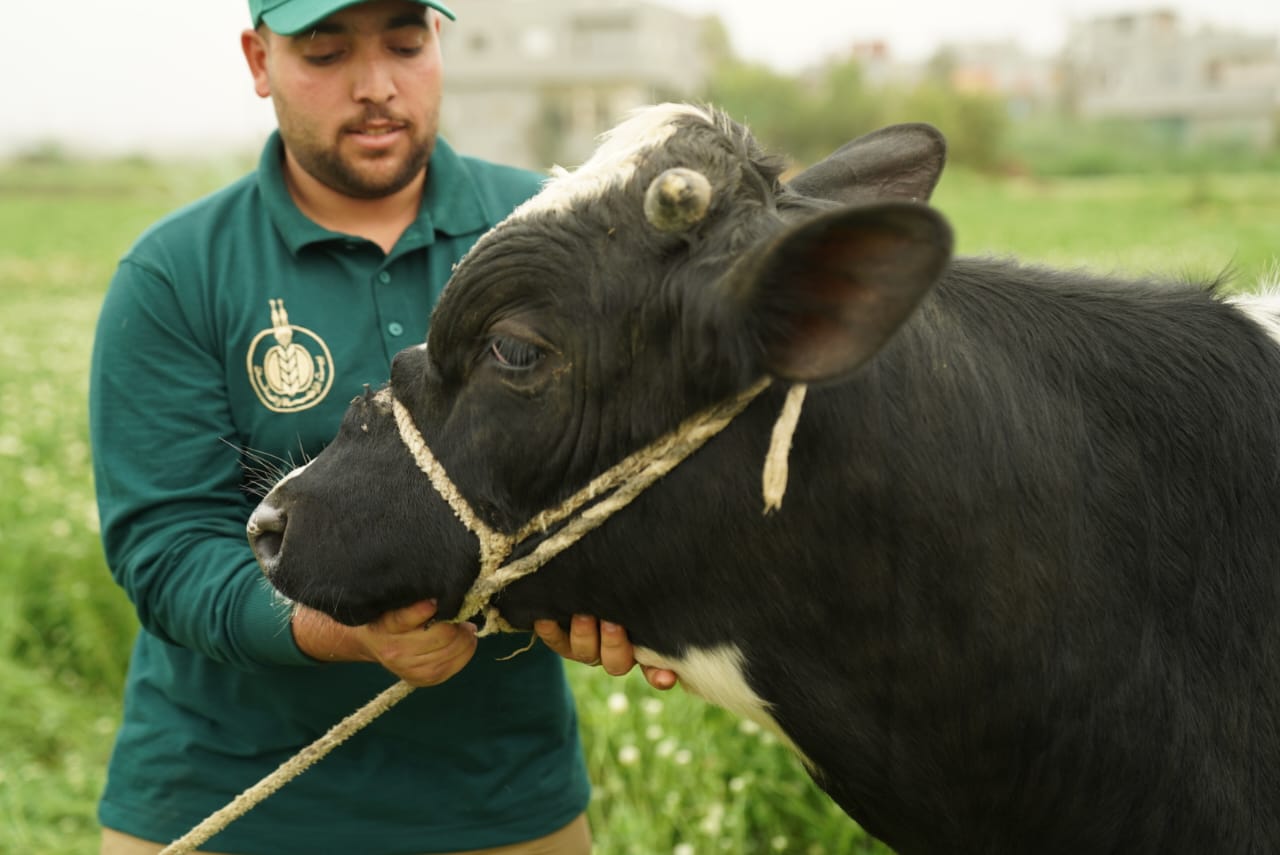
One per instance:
(1022,594)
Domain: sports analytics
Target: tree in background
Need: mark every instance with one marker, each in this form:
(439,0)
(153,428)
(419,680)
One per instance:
(976,125)
(808,116)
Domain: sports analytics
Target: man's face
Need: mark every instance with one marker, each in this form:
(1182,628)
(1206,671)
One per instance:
(357,97)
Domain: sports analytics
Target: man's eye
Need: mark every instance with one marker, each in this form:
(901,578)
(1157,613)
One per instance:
(323,59)
(514,353)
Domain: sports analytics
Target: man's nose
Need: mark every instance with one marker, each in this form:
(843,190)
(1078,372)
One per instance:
(373,82)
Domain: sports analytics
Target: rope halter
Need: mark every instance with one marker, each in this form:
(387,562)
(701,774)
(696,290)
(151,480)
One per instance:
(619,485)
(675,201)
(624,482)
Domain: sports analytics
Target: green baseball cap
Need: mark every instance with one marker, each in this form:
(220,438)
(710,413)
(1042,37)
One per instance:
(290,17)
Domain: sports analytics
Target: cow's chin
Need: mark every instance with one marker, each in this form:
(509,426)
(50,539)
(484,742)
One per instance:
(356,615)
(348,605)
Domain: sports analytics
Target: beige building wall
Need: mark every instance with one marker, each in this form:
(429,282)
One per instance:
(534,83)
(1201,84)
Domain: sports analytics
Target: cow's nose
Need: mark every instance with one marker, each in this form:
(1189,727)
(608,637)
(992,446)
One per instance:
(266,534)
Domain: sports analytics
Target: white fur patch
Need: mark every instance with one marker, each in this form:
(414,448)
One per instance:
(715,674)
(612,164)
(292,473)
(1270,282)
(1263,308)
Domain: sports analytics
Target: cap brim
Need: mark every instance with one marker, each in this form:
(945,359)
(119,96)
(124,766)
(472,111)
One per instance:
(290,19)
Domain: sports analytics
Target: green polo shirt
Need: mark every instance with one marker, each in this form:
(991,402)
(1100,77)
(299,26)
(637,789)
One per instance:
(232,338)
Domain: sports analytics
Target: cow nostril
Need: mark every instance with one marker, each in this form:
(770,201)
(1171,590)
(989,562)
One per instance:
(267,547)
(265,530)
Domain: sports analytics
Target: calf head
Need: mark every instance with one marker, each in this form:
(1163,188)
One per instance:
(671,271)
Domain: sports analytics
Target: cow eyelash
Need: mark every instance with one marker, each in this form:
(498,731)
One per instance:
(514,353)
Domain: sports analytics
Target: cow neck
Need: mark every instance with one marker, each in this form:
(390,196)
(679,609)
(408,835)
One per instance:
(622,482)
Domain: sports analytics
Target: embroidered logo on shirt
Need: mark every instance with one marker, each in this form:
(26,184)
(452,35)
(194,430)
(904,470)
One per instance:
(290,367)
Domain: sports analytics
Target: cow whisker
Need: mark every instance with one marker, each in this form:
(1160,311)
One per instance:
(262,470)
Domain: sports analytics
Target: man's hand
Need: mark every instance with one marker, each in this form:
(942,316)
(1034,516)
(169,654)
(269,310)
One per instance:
(603,644)
(421,656)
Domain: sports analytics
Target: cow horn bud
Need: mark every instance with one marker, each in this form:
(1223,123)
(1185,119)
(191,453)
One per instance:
(677,199)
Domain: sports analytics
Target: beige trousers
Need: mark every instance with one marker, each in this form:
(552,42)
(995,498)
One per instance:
(573,839)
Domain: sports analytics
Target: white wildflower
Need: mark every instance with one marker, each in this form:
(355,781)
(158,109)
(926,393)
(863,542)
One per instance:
(713,821)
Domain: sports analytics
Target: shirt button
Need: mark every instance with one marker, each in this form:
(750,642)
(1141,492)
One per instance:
(384,277)
(394,328)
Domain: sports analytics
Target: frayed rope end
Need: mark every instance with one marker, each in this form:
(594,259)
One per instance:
(776,461)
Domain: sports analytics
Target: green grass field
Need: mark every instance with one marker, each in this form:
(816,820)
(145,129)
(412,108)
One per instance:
(672,775)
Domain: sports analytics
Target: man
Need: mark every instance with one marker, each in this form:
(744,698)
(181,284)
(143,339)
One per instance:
(231,339)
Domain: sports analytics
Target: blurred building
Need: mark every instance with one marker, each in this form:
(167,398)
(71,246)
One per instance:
(1194,85)
(534,83)
(880,67)
(1026,81)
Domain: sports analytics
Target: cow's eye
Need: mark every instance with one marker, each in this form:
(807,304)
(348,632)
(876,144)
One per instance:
(514,353)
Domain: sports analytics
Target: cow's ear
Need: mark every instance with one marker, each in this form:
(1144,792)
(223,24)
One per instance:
(824,296)
(898,162)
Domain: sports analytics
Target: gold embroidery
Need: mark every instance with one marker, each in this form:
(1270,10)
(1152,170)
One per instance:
(290,367)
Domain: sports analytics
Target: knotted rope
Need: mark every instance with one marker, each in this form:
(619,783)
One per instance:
(624,481)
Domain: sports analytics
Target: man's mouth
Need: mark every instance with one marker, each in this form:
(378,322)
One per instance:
(377,130)
(377,136)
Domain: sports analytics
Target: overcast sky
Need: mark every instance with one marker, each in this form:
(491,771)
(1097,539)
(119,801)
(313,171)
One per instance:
(163,75)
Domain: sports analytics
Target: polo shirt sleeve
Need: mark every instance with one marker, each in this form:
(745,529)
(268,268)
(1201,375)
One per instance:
(169,481)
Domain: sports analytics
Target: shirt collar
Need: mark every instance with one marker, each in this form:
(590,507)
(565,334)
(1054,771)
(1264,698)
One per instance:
(451,203)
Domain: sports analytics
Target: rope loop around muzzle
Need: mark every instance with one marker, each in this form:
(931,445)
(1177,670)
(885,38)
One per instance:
(618,485)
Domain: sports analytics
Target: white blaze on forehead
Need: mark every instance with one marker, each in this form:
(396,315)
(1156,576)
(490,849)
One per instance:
(715,674)
(613,164)
(615,161)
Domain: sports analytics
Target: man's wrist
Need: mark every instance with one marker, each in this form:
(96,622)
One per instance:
(323,639)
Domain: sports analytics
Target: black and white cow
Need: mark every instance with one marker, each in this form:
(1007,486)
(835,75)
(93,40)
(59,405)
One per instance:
(1022,594)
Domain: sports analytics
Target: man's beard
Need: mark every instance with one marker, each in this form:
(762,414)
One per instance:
(328,167)
(326,164)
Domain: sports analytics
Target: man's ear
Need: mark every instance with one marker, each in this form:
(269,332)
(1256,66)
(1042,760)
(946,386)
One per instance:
(826,295)
(254,46)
